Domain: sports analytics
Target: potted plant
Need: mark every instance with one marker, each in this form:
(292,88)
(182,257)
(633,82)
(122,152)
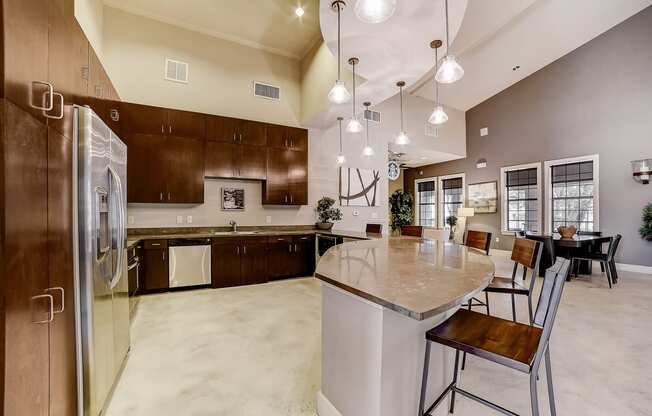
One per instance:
(646,229)
(400,208)
(327,214)
(452,222)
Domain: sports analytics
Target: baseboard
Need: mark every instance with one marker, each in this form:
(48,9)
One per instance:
(634,268)
(325,407)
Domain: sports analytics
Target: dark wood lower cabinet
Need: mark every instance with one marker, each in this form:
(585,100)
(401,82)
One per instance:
(291,256)
(303,260)
(225,263)
(156,273)
(253,261)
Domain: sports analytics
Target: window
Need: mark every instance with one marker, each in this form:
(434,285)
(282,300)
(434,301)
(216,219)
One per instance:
(573,193)
(521,190)
(452,196)
(426,202)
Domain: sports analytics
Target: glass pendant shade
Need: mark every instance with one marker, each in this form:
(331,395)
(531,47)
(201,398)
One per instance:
(438,116)
(339,94)
(341,159)
(368,151)
(450,71)
(354,126)
(402,139)
(374,11)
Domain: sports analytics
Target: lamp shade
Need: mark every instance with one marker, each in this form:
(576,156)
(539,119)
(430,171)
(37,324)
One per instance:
(465,212)
(374,11)
(449,71)
(339,94)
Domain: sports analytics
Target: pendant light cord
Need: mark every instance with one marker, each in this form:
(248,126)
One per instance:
(339,49)
(353,89)
(401,109)
(436,83)
(340,121)
(367,129)
(447,37)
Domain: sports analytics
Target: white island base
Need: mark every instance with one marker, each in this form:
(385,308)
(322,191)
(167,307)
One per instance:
(372,359)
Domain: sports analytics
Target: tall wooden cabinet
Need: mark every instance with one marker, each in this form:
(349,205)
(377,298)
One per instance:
(45,67)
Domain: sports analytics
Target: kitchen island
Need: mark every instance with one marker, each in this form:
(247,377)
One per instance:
(379,297)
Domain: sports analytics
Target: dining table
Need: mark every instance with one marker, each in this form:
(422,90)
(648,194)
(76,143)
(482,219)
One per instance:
(574,246)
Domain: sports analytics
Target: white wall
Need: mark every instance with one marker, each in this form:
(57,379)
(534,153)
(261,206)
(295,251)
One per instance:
(90,15)
(221,73)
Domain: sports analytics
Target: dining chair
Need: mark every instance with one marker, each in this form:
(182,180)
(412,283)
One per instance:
(480,240)
(518,346)
(548,255)
(607,261)
(412,230)
(374,228)
(597,249)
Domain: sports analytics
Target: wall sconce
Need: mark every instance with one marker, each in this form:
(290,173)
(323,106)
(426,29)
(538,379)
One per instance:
(642,169)
(481,163)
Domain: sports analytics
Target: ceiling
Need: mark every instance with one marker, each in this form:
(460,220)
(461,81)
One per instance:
(497,35)
(269,25)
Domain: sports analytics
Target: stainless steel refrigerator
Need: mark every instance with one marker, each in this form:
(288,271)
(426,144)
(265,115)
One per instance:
(102,292)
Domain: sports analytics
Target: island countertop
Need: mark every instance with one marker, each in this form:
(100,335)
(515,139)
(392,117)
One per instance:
(416,277)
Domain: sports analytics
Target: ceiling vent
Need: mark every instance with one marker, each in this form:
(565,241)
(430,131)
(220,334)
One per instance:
(371,115)
(176,71)
(431,130)
(266,91)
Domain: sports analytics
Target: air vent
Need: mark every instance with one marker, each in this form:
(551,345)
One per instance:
(176,71)
(373,116)
(267,91)
(432,130)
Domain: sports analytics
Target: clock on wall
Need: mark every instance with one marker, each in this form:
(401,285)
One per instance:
(393,170)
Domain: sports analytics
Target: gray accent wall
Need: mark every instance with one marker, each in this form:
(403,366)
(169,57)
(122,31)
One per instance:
(595,100)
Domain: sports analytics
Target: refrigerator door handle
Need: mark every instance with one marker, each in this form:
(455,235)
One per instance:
(120,227)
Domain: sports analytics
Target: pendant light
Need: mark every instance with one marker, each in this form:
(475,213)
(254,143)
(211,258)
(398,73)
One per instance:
(374,11)
(438,115)
(339,94)
(402,138)
(354,125)
(450,71)
(367,150)
(341,159)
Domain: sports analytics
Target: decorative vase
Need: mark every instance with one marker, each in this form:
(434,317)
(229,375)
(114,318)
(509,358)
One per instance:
(567,232)
(326,226)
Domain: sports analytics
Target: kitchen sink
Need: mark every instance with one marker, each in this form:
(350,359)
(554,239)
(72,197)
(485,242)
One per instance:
(236,232)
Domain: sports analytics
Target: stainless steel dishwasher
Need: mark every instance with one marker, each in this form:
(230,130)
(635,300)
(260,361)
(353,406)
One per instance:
(190,262)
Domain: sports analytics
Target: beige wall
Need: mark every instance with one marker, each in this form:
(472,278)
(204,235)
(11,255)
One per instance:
(221,73)
(90,15)
(396,185)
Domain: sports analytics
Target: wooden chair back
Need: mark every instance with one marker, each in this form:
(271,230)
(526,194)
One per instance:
(525,252)
(375,228)
(548,256)
(412,230)
(479,239)
(549,300)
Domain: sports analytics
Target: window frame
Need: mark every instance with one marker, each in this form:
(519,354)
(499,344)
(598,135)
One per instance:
(416,199)
(441,221)
(596,187)
(503,188)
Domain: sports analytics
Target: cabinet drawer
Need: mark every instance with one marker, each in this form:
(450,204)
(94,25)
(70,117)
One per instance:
(156,244)
(308,238)
(280,239)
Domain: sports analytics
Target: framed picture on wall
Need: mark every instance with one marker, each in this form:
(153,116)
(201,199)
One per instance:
(483,197)
(358,187)
(233,199)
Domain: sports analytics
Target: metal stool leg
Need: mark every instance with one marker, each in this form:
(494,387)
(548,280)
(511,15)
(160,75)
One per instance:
(551,391)
(424,379)
(533,393)
(529,308)
(614,274)
(486,301)
(609,273)
(457,361)
(513,308)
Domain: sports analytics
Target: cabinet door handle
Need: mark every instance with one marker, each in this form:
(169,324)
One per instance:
(291,142)
(240,138)
(237,250)
(161,196)
(286,198)
(170,128)
(60,115)
(163,254)
(233,137)
(162,129)
(156,244)
(244,250)
(49,93)
(286,142)
(291,199)
(63,297)
(168,196)
(289,248)
(50,310)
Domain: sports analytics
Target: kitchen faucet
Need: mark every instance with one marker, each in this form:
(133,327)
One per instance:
(234,226)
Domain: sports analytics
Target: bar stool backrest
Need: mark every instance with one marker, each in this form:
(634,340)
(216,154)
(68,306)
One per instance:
(479,239)
(613,247)
(527,253)
(553,286)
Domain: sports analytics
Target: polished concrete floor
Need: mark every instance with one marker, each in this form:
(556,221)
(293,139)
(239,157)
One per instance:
(256,351)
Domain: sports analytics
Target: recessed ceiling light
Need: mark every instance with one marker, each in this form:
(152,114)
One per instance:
(299,11)
(516,68)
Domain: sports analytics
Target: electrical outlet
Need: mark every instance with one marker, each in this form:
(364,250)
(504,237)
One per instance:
(484,131)
(179,219)
(497,239)
(268,219)
(189,219)
(356,212)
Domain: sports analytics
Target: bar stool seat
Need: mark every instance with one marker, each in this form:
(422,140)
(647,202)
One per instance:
(507,285)
(499,340)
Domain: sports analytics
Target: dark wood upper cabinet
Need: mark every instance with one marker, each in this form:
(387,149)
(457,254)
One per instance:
(146,168)
(215,130)
(253,133)
(143,119)
(231,129)
(186,124)
(184,175)
(287,177)
(251,162)
(298,177)
(80,64)
(220,159)
(298,138)
(283,137)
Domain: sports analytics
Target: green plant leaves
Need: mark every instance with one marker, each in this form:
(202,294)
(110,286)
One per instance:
(400,207)
(646,229)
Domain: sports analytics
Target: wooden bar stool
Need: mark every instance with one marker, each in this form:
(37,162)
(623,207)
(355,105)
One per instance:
(518,346)
(479,240)
(412,230)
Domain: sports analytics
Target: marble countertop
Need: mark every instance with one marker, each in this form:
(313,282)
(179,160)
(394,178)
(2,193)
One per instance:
(416,277)
(170,233)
